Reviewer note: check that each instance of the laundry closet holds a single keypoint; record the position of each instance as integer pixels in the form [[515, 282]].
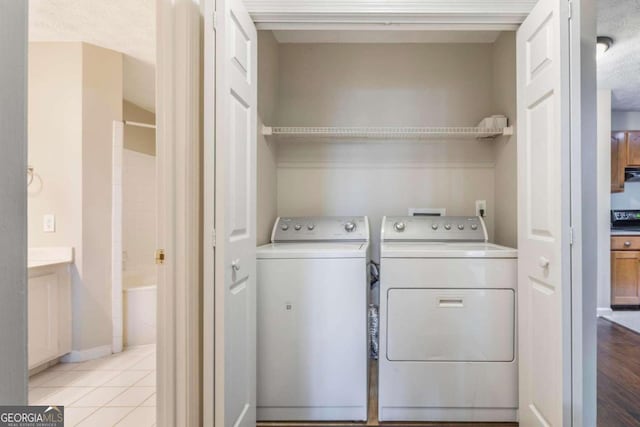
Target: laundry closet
[[453, 82], [348, 127]]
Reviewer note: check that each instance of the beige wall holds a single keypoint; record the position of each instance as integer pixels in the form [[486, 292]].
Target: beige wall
[[266, 151], [138, 219], [505, 148], [136, 138], [385, 85], [55, 143], [102, 104], [75, 94]]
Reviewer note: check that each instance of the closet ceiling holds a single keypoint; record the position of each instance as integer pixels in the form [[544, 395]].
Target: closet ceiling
[[126, 26], [346, 36], [619, 67]]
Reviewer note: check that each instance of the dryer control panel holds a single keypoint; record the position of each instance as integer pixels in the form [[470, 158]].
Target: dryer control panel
[[321, 229], [434, 229]]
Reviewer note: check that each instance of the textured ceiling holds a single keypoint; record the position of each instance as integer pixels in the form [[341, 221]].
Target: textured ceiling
[[126, 26], [619, 67]]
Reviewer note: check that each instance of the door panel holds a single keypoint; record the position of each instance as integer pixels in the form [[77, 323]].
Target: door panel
[[235, 215], [455, 325], [543, 221]]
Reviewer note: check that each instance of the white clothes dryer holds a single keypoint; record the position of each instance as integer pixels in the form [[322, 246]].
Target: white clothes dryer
[[447, 322]]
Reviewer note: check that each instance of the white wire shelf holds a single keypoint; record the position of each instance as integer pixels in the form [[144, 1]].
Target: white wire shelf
[[387, 132]]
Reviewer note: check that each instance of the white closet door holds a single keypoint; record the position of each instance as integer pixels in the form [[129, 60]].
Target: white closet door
[[235, 213], [544, 281]]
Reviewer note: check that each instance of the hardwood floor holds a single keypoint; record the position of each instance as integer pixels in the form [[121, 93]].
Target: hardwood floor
[[618, 376]]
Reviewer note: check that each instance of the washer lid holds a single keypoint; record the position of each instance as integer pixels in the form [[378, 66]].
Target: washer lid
[[445, 250], [313, 250]]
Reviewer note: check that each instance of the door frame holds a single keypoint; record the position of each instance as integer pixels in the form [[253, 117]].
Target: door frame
[[178, 141], [583, 302], [584, 212]]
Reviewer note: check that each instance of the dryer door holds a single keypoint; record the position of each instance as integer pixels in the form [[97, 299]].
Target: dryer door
[[455, 325]]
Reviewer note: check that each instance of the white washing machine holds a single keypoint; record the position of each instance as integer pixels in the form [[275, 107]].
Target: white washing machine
[[447, 322], [313, 291]]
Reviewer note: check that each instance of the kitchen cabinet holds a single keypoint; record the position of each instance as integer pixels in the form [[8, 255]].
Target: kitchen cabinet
[[618, 161], [625, 271], [633, 148]]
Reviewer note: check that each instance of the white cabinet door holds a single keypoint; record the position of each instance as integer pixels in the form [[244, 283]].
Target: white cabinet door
[[544, 281], [43, 318], [235, 215]]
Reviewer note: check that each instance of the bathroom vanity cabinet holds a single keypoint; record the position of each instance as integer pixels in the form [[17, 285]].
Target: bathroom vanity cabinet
[[49, 307]]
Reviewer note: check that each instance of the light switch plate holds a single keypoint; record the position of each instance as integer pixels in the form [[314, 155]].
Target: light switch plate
[[49, 223]]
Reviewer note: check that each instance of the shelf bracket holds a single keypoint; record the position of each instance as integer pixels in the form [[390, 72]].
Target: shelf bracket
[[267, 130], [508, 131]]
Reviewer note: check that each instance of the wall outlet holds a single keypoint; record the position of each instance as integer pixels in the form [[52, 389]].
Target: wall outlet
[[49, 223], [481, 208]]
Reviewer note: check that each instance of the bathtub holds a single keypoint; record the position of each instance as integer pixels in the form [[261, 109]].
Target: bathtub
[[140, 315]]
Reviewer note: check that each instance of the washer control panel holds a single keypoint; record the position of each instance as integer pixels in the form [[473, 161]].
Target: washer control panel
[[434, 229], [321, 229]]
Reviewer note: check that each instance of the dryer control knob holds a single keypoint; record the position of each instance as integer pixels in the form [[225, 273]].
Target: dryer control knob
[[474, 226], [297, 227], [284, 227], [399, 226], [434, 226], [311, 227], [460, 226], [447, 226], [349, 227]]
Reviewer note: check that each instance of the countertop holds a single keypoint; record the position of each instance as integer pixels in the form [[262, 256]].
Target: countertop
[[625, 233], [43, 257]]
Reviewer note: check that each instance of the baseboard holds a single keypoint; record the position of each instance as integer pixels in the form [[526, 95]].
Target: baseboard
[[88, 354], [604, 312]]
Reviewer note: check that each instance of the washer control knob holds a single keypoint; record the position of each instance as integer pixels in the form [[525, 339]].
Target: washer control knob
[[474, 226], [460, 226], [399, 226], [349, 227], [434, 226], [447, 226], [311, 227], [285, 227], [297, 227]]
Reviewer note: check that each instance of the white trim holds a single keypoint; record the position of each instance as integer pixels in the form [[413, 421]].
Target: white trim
[[117, 313], [178, 141], [583, 113], [209, 173], [604, 311], [348, 25], [88, 354], [377, 14], [374, 165]]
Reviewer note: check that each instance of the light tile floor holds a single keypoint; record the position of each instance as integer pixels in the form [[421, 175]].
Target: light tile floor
[[627, 318], [116, 390]]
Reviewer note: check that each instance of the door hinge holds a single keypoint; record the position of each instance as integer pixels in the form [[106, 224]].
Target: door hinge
[[571, 238], [159, 256], [215, 21], [569, 9], [213, 239]]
